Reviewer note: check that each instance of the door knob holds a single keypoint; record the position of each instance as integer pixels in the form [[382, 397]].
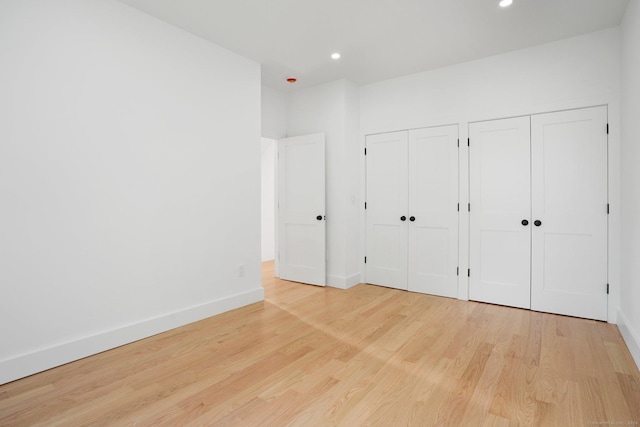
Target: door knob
[[403, 218], [537, 223], [319, 217], [413, 218], [525, 222]]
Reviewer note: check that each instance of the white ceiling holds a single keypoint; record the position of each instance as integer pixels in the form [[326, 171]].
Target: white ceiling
[[378, 39]]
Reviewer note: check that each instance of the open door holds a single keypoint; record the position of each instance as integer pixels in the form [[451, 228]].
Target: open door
[[301, 209]]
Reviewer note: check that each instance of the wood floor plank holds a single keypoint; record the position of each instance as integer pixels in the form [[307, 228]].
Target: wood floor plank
[[365, 356], [630, 386], [481, 399]]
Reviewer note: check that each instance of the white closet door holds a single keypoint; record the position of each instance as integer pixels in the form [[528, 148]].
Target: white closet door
[[569, 185], [433, 211], [301, 201], [386, 245], [500, 228]]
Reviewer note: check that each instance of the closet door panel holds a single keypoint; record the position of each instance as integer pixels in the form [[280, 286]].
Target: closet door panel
[[500, 185], [569, 187], [387, 202], [433, 199]]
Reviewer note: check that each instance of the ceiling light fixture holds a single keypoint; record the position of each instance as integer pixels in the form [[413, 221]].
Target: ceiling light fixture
[[505, 3], [291, 79], [335, 55]]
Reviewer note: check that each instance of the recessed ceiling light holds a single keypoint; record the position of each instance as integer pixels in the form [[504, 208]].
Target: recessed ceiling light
[[335, 55], [505, 3]]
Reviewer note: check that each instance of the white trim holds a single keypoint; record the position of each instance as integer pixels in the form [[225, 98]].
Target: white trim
[[41, 360], [343, 282], [630, 336]]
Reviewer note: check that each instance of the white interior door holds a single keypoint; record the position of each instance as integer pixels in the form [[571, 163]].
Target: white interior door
[[433, 211], [386, 210], [569, 188], [500, 217], [301, 209]]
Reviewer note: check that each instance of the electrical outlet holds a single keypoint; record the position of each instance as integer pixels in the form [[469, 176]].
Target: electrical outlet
[[241, 270]]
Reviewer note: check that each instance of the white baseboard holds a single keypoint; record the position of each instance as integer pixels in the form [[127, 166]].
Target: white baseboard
[[630, 335], [343, 282], [41, 360]]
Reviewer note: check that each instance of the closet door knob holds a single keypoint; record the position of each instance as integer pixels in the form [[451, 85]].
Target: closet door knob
[[525, 222], [319, 217], [537, 223], [413, 218], [403, 218]]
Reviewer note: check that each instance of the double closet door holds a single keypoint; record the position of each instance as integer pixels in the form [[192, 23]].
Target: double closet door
[[412, 210], [538, 219]]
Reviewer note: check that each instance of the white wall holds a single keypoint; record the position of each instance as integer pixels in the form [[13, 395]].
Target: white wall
[[332, 108], [577, 72], [629, 318], [274, 113], [355, 200], [268, 199], [129, 175], [572, 72]]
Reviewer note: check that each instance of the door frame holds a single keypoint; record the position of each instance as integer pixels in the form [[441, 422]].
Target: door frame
[[613, 198], [461, 249]]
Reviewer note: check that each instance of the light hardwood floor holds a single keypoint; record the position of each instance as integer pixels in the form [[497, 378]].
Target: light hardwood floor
[[312, 356]]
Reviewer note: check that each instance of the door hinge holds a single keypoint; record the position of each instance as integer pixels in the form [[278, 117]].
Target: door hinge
[[457, 271], [469, 207], [458, 142], [365, 260], [607, 289], [458, 207], [607, 128], [468, 142], [365, 205], [469, 273], [607, 208], [365, 151]]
